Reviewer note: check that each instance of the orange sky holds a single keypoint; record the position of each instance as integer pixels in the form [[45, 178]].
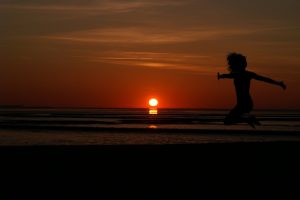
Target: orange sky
[[104, 53]]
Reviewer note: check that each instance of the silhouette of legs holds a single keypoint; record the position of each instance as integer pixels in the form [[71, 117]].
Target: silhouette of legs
[[234, 116], [241, 114], [251, 120]]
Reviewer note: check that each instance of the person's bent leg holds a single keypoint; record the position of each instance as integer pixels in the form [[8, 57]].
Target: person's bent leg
[[233, 117]]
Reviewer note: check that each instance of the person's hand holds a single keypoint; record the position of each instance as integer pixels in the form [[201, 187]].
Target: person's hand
[[281, 83]]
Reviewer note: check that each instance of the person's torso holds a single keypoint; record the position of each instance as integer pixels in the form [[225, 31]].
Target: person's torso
[[242, 86]]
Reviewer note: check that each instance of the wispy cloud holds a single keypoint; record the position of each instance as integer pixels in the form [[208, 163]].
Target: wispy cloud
[[155, 60], [152, 35], [148, 56], [94, 6]]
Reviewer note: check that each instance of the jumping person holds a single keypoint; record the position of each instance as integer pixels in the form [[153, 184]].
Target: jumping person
[[237, 67]]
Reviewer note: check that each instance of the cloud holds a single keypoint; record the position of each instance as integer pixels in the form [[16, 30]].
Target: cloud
[[155, 60], [94, 6], [152, 35], [148, 56]]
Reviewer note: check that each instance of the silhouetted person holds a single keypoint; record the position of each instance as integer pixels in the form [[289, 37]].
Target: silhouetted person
[[237, 67]]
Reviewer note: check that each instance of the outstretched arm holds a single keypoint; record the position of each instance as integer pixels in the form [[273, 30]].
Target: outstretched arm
[[271, 81], [221, 76]]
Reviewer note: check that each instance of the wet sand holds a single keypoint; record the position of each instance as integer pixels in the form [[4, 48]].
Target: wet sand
[[136, 136]]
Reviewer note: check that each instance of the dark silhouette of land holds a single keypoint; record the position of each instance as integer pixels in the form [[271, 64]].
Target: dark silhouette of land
[[242, 79]]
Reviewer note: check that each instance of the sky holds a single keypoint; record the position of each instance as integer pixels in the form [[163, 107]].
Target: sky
[[117, 54]]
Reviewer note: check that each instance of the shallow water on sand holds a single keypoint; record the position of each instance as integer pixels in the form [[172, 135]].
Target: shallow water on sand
[[136, 126]]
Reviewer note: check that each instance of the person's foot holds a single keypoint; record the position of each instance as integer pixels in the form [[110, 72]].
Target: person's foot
[[251, 120], [251, 123], [256, 122]]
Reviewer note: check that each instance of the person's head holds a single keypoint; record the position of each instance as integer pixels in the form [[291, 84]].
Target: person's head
[[237, 62]]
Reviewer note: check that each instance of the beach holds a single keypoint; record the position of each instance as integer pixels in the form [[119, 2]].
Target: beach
[[89, 153], [186, 171]]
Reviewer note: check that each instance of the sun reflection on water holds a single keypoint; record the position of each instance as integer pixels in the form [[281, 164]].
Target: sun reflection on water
[[152, 126], [153, 111]]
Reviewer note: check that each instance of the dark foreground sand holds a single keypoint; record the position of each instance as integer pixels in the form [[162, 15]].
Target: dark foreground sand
[[186, 171], [148, 164]]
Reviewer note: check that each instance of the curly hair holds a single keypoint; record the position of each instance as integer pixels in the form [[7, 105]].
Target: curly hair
[[236, 62]]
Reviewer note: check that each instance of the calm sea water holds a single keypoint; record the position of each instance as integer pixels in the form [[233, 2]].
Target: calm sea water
[[286, 120]]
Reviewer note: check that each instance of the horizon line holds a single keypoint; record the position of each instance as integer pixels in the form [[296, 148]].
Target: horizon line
[[95, 107]]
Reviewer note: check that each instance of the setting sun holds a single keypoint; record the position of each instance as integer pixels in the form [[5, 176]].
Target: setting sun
[[153, 102]]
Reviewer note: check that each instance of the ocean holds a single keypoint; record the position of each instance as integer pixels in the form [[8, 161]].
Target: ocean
[[26, 126]]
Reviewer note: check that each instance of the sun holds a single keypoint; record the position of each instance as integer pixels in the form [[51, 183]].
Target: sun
[[153, 102]]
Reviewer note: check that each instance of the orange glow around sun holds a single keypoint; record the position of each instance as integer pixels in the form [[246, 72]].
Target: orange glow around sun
[[153, 102]]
